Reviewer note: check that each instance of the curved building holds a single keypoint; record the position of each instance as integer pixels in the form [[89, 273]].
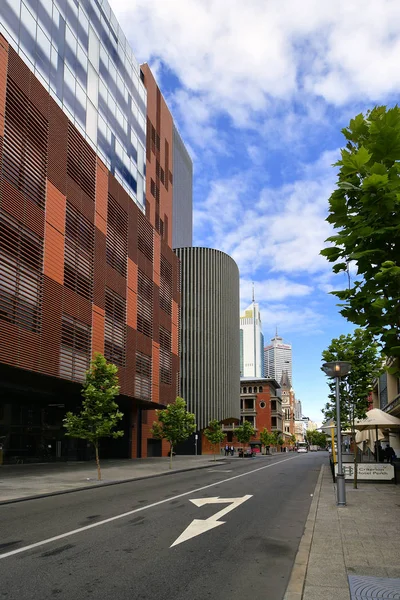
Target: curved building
[[209, 334]]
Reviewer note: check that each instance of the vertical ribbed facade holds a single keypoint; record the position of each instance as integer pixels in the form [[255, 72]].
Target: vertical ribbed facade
[[209, 338], [182, 207]]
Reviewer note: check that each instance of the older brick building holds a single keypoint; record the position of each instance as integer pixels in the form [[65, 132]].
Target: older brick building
[[82, 270]]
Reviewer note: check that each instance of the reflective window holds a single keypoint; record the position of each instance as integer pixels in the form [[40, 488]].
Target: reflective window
[[78, 51]]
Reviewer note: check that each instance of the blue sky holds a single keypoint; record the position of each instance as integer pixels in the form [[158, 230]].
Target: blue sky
[[260, 93]]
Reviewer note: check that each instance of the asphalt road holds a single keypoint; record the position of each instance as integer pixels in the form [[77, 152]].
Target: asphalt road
[[118, 542]]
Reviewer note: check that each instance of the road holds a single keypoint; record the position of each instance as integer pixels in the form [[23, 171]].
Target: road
[[147, 540]]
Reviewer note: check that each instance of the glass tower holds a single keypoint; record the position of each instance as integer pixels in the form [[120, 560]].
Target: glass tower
[[79, 53]]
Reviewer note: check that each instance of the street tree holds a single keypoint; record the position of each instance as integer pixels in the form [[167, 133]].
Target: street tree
[[365, 211], [361, 351], [316, 438], [280, 441], [292, 439], [244, 433], [175, 424], [266, 438], [99, 415], [214, 434]]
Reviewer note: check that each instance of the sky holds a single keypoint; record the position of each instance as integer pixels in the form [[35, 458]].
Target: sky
[[260, 92]]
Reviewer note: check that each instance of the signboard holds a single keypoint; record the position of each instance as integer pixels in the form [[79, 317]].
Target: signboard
[[373, 471]]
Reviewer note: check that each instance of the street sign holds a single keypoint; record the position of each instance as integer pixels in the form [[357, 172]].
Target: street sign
[[199, 526]]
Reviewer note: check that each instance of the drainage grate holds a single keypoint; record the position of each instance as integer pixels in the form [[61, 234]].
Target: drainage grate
[[366, 588]]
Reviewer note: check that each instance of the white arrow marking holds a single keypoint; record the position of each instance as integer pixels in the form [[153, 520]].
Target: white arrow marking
[[199, 526]]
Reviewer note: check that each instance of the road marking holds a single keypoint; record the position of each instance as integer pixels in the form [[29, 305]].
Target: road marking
[[219, 470], [135, 510], [199, 526]]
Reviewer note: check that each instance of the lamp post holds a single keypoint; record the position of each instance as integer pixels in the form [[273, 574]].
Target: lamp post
[[337, 370]]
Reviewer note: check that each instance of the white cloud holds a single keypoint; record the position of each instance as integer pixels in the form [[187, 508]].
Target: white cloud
[[272, 289], [290, 319], [281, 231], [249, 60]]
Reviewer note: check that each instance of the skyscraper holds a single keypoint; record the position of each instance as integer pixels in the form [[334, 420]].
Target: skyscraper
[[209, 349], [278, 358], [251, 342]]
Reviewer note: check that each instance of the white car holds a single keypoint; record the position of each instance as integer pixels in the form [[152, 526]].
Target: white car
[[302, 449]]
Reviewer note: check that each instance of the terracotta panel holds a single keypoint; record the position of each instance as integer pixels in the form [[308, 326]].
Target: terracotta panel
[[9, 343], [53, 263], [51, 327], [131, 309], [174, 330], [156, 373], [55, 208], [97, 330], [132, 275], [3, 81], [34, 217], [28, 350], [157, 259]]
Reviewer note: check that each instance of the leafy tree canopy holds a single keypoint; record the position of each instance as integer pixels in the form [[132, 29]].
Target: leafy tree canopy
[[175, 424], [214, 432], [99, 415], [361, 351], [244, 432], [365, 211]]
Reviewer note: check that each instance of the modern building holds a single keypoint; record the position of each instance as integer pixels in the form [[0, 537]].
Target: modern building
[[251, 342], [386, 396], [278, 358], [85, 266], [182, 205], [298, 411], [209, 339]]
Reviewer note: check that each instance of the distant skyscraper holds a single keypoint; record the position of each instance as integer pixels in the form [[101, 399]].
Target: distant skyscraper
[[298, 414], [251, 342], [278, 358]]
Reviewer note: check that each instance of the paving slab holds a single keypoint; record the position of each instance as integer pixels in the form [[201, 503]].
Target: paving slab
[[359, 540]]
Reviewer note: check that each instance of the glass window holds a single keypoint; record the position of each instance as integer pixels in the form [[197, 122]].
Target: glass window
[[28, 33], [94, 49]]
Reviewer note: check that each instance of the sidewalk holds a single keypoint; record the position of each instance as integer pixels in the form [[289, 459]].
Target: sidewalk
[[339, 544], [26, 481]]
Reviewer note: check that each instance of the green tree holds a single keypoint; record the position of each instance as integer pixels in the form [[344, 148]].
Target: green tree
[[266, 437], [214, 433], [365, 211], [175, 424], [292, 439], [280, 441], [361, 351], [316, 438], [274, 438], [99, 415], [244, 433]]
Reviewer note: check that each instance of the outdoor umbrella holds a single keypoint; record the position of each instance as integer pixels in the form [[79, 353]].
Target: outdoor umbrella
[[367, 435], [377, 419]]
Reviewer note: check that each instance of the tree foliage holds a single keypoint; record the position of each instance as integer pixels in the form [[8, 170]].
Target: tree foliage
[[175, 424], [361, 351], [99, 415], [244, 432], [365, 211], [214, 433], [266, 437], [316, 438]]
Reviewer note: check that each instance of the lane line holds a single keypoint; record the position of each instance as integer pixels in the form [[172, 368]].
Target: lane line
[[136, 510]]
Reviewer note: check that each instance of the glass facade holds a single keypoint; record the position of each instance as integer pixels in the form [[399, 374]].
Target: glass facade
[[81, 56]]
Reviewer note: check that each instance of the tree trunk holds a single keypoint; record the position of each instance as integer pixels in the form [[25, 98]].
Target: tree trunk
[[170, 456], [96, 447]]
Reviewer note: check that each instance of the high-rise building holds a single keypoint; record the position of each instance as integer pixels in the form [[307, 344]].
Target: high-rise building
[[251, 342], [298, 414], [182, 206], [278, 358], [209, 341], [85, 266]]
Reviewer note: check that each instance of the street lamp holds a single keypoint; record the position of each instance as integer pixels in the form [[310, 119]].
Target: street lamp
[[337, 370]]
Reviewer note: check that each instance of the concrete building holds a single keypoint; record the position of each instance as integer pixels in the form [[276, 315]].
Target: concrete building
[[298, 413], [251, 342], [278, 358], [386, 396], [86, 260], [182, 205], [209, 340]]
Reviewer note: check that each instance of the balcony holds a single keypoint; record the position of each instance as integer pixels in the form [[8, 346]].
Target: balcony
[[248, 411]]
